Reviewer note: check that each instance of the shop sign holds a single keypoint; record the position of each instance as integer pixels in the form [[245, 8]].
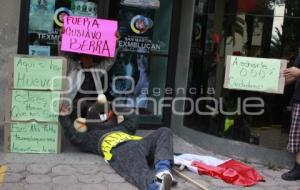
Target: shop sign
[[138, 43]]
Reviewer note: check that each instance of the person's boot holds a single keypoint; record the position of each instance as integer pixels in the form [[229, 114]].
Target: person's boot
[[166, 183], [160, 176], [293, 174]]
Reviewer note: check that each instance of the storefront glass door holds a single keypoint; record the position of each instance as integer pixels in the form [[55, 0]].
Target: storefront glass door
[[251, 28], [145, 28], [138, 77]]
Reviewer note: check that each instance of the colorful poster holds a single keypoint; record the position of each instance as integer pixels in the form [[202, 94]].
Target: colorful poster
[[59, 15], [136, 30], [84, 8], [40, 16], [89, 36], [132, 69]]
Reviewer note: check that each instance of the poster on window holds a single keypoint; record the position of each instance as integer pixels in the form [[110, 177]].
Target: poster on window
[[130, 79], [45, 20], [136, 30], [85, 8], [41, 15], [150, 4], [130, 74]]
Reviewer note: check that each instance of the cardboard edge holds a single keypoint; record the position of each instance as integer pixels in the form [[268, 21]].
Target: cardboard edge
[[59, 128], [227, 71], [281, 83], [6, 144], [10, 67], [64, 74], [39, 57], [8, 103], [59, 138]]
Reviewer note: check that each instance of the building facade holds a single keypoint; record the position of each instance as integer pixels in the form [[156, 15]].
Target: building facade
[[176, 52]]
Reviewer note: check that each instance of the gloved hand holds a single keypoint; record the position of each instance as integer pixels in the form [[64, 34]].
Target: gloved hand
[[131, 123]]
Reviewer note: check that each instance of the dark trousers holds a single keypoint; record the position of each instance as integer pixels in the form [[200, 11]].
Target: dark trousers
[[135, 160]]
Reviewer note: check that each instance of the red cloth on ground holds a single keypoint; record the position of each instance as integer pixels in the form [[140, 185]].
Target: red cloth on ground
[[231, 171]]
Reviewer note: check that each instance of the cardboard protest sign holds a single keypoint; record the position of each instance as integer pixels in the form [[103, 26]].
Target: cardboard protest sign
[[89, 36], [41, 73], [32, 137], [33, 101], [40, 106], [255, 74]]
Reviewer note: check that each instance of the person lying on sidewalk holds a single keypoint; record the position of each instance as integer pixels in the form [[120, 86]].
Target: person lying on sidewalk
[[132, 157]]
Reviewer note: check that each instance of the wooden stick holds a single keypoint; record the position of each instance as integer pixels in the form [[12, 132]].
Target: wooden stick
[[189, 179]]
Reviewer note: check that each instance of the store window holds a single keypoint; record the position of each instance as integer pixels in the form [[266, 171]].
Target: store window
[[138, 77], [252, 28], [45, 18], [145, 28], [202, 66]]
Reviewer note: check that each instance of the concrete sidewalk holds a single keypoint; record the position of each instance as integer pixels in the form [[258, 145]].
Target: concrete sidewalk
[[72, 170]]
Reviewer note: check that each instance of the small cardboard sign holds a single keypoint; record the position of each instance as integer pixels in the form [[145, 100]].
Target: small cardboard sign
[[32, 137], [255, 74], [37, 73], [39, 106], [89, 36]]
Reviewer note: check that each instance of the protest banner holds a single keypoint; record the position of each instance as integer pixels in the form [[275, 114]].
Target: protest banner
[[33, 99], [88, 35], [255, 74]]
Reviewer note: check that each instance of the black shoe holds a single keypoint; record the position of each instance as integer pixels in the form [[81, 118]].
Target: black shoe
[[159, 177], [291, 175], [166, 183]]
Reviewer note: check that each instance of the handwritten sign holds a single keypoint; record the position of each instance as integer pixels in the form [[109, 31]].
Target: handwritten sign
[[37, 73], [89, 36], [40, 106], [255, 74], [34, 138], [32, 104]]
